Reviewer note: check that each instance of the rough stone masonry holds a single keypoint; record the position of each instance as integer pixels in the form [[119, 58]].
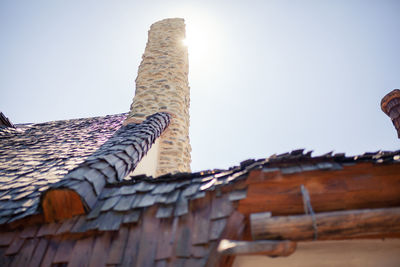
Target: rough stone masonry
[[162, 85]]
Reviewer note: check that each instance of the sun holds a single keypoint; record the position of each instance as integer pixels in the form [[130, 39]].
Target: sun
[[203, 41]]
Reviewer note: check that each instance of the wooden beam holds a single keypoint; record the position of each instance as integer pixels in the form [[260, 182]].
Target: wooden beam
[[61, 204], [359, 186], [265, 247], [329, 225]]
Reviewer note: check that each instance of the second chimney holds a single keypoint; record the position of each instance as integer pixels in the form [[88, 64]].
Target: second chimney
[[162, 85], [390, 104]]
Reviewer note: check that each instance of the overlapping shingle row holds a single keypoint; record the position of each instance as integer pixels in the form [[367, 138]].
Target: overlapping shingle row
[[170, 195], [187, 240]]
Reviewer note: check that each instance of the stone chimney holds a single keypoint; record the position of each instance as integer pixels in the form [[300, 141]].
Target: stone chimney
[[390, 104], [162, 85]]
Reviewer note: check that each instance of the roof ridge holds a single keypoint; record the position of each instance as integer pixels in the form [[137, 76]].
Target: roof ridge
[[112, 162]]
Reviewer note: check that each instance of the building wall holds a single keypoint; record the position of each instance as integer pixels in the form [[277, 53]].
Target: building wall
[[333, 253], [148, 164]]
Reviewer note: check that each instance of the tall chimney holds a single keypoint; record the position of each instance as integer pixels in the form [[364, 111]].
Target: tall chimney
[[162, 85], [390, 104]]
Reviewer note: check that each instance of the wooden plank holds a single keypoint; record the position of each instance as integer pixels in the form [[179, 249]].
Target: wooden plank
[[216, 229], [164, 244], [6, 238], [82, 251], [100, 250], [15, 246], [24, 256], [29, 231], [50, 252], [132, 246], [201, 224], [161, 263], [359, 186], [118, 246], [64, 250], [221, 207], [79, 225], [48, 229], [194, 262], [39, 253], [5, 260], [178, 262], [148, 244], [67, 225], [329, 225], [200, 251], [264, 247], [234, 227], [183, 236], [61, 204]]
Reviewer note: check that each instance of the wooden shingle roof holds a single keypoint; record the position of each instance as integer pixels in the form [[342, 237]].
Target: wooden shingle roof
[[174, 220]]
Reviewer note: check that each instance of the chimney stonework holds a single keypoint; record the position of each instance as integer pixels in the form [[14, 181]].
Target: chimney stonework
[[390, 104], [162, 86]]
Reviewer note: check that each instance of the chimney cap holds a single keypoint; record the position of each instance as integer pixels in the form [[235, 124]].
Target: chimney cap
[[387, 98]]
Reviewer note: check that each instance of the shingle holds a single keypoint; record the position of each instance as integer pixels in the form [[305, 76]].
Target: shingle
[[172, 197], [124, 203], [146, 200], [238, 195], [110, 221], [95, 212], [127, 189], [144, 186], [207, 185], [325, 165], [164, 211], [97, 179], [182, 206], [190, 190], [162, 188], [309, 167], [110, 203], [198, 195], [132, 216], [290, 170]]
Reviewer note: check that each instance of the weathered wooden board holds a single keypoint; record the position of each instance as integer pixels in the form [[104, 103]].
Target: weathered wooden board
[[329, 225], [25, 254], [82, 252], [61, 204], [100, 250], [264, 247], [360, 186], [118, 247]]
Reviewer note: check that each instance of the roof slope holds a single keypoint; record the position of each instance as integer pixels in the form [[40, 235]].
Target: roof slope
[[34, 156]]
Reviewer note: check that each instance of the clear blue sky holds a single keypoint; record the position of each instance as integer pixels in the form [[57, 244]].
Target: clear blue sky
[[268, 77]]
